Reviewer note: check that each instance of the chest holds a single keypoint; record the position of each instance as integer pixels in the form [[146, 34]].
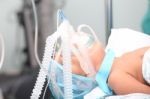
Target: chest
[[130, 64]]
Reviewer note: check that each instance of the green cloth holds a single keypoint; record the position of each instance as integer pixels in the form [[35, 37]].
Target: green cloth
[[146, 21]]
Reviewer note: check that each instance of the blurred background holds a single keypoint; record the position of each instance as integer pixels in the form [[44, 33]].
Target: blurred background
[[20, 69]]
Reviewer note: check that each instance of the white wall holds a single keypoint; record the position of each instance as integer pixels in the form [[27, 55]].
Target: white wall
[[126, 13], [129, 13], [89, 12]]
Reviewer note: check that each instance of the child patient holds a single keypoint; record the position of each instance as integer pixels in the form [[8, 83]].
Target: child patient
[[126, 72]]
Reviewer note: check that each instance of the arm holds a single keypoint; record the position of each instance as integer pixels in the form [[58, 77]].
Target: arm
[[123, 83]]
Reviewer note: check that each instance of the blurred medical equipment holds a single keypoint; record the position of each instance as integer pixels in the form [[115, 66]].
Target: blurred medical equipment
[[44, 66], [109, 17], [46, 25], [2, 58], [12, 85], [36, 33], [2, 50], [1, 94]]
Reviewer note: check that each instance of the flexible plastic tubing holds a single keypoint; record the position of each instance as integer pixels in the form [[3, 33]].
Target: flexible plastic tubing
[[45, 63], [36, 33], [52, 78], [44, 66], [66, 53], [43, 72], [3, 50], [52, 75], [66, 29]]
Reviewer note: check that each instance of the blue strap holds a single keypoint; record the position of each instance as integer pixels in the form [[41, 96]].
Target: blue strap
[[104, 71]]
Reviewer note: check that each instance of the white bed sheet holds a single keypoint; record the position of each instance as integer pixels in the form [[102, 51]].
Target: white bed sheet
[[125, 40], [130, 96]]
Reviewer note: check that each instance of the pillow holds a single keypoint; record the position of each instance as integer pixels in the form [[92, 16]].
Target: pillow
[[124, 40]]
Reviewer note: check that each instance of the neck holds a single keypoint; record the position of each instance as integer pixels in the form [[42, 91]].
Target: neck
[[101, 58]]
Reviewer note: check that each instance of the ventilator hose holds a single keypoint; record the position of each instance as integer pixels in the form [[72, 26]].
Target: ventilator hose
[[67, 73], [45, 63]]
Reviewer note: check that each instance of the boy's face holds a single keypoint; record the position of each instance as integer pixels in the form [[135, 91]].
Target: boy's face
[[95, 53]]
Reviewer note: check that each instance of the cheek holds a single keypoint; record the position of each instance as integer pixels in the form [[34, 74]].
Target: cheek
[[95, 59], [76, 68], [96, 56]]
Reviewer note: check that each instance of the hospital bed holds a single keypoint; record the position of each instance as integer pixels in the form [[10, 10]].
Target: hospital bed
[[121, 41]]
